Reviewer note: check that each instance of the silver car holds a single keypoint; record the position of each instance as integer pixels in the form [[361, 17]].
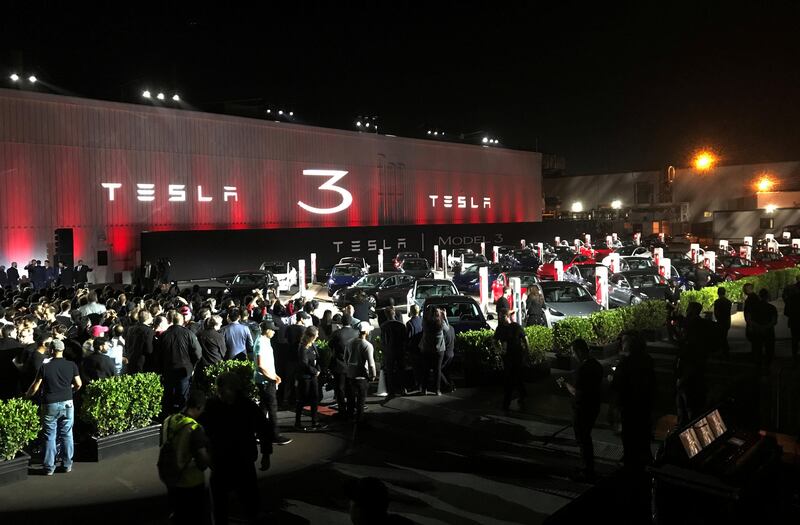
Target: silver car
[[564, 299]]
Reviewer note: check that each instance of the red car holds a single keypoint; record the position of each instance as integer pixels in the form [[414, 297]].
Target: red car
[[734, 268], [499, 284], [773, 260], [547, 271], [793, 254]]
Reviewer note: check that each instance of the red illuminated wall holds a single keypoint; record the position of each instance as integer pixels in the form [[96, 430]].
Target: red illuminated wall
[[55, 152]]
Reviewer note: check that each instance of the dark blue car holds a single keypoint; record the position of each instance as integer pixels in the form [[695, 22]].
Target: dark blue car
[[468, 281], [342, 276]]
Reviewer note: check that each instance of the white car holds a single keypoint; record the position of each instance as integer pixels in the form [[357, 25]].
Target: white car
[[425, 288], [284, 272], [356, 261]]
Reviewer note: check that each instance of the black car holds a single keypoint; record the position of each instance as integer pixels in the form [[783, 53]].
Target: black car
[[379, 288], [520, 260], [240, 285], [463, 313], [398, 259], [583, 274], [633, 287], [417, 267]]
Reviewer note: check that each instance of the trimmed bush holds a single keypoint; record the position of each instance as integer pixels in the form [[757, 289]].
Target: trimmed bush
[[119, 404], [650, 315], [606, 326], [567, 331], [540, 341], [774, 282], [207, 382], [480, 349], [19, 425]]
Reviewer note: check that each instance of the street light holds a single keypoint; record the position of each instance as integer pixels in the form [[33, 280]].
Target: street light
[[160, 96], [616, 204], [176, 98], [577, 207], [771, 208], [704, 160], [765, 184], [146, 94], [32, 79], [14, 77]]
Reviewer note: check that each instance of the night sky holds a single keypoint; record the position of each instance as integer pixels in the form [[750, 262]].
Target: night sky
[[607, 88]]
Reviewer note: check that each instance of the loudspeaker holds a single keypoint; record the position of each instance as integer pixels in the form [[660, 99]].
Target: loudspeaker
[[102, 258], [64, 247]]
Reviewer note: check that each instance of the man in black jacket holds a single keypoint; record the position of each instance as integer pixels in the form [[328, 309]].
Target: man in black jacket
[[212, 341], [340, 340], [587, 393], [394, 339], [722, 313], [13, 275], [232, 423], [97, 365], [80, 272], [179, 351], [139, 343]]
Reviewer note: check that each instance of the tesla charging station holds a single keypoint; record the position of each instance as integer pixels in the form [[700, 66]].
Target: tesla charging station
[[436, 257], [559, 267], [577, 245], [588, 238], [313, 267], [609, 241], [694, 250], [483, 249], [558, 241], [444, 264], [795, 244], [723, 245], [710, 261], [614, 237], [540, 250], [637, 238], [496, 253], [522, 243], [516, 296], [786, 236], [483, 273], [380, 260], [745, 252], [601, 286], [301, 277], [612, 261], [658, 254], [665, 269], [748, 241]]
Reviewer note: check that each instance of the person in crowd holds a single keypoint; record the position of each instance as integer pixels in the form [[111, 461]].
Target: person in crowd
[[309, 308], [764, 319], [690, 384], [3, 276], [586, 392], [267, 380], [634, 388], [64, 316], [66, 276], [512, 337], [139, 343], [80, 273], [97, 365], [449, 353], [432, 349], [307, 379], [58, 380], [339, 342], [235, 427], [360, 370], [362, 307], [722, 314], [117, 350], [179, 352], [92, 307], [13, 275], [238, 337], [394, 338], [750, 302], [212, 341], [502, 302], [672, 296], [325, 325], [414, 323], [9, 373], [188, 501], [534, 306], [792, 312], [51, 274], [369, 503]]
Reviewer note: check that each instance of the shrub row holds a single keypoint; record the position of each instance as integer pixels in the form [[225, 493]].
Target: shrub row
[[122, 403], [774, 281], [19, 425], [601, 328]]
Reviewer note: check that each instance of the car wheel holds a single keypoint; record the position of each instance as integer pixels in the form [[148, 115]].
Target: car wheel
[[635, 300], [372, 300], [728, 279]]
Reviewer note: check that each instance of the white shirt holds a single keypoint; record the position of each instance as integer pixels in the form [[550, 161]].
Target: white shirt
[[268, 359]]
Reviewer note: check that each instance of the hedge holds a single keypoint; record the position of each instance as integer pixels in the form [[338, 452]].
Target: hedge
[[774, 281], [207, 380], [19, 425], [118, 404]]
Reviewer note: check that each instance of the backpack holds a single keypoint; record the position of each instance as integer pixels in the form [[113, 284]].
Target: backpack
[[169, 471]]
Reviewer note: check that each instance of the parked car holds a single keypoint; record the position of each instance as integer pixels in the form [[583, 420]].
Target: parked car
[[793, 254], [398, 259], [423, 289], [547, 271], [343, 276], [242, 284], [521, 260], [380, 289], [583, 274], [635, 286], [633, 250], [734, 268], [504, 278], [564, 299], [468, 281], [419, 268], [358, 261], [454, 258], [601, 249], [283, 271], [773, 260], [463, 313], [635, 262]]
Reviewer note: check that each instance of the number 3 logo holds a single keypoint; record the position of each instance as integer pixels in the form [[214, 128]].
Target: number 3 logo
[[336, 176]]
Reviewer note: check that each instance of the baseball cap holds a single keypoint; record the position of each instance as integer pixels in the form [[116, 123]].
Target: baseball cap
[[57, 345], [303, 315], [269, 325], [185, 310], [98, 330], [365, 327]]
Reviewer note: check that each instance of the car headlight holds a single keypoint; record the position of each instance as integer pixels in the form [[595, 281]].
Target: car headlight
[[553, 311]]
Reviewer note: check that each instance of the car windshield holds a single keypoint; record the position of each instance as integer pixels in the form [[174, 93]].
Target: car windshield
[[735, 262], [473, 268], [369, 281], [246, 279], [587, 272], [458, 252], [639, 264], [415, 264], [644, 281], [346, 271], [565, 257], [407, 255], [566, 293], [352, 260], [526, 280], [274, 267], [434, 290], [473, 258], [460, 312], [626, 250]]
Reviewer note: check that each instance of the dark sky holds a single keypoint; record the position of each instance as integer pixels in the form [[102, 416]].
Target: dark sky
[[609, 88]]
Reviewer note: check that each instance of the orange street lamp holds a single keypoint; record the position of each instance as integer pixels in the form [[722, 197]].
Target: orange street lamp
[[764, 184], [704, 160]]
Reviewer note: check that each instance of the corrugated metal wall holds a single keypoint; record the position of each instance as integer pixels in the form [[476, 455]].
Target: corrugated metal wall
[[55, 152]]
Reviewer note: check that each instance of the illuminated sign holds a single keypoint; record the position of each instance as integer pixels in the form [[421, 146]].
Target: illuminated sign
[[336, 176], [459, 202], [146, 192]]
